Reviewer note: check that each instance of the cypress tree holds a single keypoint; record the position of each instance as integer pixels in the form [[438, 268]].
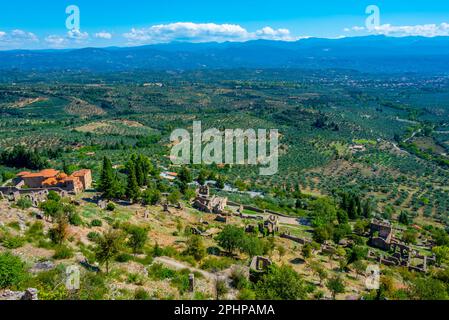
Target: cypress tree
[[132, 188]]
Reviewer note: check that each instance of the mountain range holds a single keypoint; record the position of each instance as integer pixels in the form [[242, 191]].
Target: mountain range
[[373, 54]]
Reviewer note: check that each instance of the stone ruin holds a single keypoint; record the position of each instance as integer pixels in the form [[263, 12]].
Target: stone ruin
[[381, 234], [221, 219], [287, 235], [209, 204], [260, 264], [271, 224], [28, 295]]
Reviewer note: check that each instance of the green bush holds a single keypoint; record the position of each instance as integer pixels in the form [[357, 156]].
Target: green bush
[[124, 257], [158, 272], [35, 231], [75, 220], [96, 223], [13, 242], [141, 294], [63, 252], [93, 236], [246, 294], [216, 264], [12, 270], [24, 203], [110, 207]]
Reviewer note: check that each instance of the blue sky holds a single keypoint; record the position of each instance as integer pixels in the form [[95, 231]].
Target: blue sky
[[26, 24]]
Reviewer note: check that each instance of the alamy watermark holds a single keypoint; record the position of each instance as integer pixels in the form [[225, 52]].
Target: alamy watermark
[[372, 281], [72, 278], [231, 146], [73, 21], [373, 20]]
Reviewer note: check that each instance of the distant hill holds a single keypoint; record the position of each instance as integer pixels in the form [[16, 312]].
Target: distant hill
[[365, 54]]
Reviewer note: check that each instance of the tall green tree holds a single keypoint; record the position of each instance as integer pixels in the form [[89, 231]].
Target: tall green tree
[[108, 247], [231, 238], [335, 286], [281, 283], [108, 180], [132, 187], [138, 237]]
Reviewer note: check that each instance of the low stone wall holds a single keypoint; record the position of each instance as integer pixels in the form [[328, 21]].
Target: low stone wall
[[295, 239]]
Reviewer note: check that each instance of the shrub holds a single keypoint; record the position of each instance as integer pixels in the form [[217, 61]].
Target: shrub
[[93, 236], [135, 278], [24, 203], [158, 272], [124, 257], [110, 207], [246, 294], [181, 280], [141, 294], [239, 279], [13, 242], [96, 223], [12, 270], [75, 220], [216, 264], [52, 195], [63, 252]]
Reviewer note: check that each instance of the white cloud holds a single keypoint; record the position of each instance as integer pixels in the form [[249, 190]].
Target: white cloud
[[73, 37], [424, 30], [18, 36], [203, 32], [77, 35], [103, 35], [56, 41], [272, 34]]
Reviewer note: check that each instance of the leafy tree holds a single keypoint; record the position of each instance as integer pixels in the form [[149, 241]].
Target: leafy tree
[[323, 233], [357, 253], [109, 184], [202, 177], [281, 283], [21, 157], [341, 231], [404, 218], [324, 212], [441, 254], [189, 194], [319, 270], [252, 246], [428, 289], [335, 286], [132, 187], [151, 197], [138, 237], [306, 251], [12, 270], [221, 182], [108, 247], [185, 175], [231, 238], [60, 231], [174, 197], [195, 247], [359, 267]]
